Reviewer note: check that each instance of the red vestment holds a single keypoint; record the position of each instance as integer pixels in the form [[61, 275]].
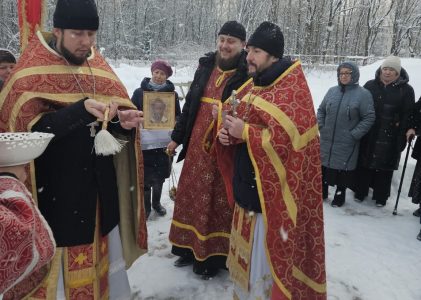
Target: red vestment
[[282, 139], [43, 81], [27, 243], [202, 214]]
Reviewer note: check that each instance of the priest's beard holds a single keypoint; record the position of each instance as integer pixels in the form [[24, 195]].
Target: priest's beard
[[227, 64], [72, 59]]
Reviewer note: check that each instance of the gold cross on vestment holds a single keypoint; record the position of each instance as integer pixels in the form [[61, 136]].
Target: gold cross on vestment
[[80, 259]]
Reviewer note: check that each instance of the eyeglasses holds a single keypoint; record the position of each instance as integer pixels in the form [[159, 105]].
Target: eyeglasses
[[345, 74]]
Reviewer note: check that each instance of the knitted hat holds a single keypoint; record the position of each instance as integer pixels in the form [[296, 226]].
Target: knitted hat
[[76, 14], [393, 62], [163, 66], [6, 56], [268, 37], [233, 28]]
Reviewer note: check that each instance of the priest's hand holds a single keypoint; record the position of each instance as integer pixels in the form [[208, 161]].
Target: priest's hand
[[95, 108], [171, 148], [130, 118], [224, 137], [113, 110], [235, 126]]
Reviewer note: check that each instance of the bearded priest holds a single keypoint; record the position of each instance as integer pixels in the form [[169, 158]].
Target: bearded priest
[[62, 85]]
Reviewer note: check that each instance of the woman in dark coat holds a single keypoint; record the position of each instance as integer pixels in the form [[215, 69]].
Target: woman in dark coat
[[344, 116], [157, 164], [415, 189], [381, 148]]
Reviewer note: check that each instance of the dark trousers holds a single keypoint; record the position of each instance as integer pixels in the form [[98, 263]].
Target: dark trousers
[[338, 178], [415, 188], [325, 189], [153, 192], [379, 180]]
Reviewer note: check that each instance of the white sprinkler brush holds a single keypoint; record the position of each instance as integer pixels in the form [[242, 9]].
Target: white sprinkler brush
[[105, 143]]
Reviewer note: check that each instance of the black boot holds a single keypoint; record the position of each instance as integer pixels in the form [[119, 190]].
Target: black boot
[[359, 197], [360, 194], [325, 190], [209, 273], [160, 210], [381, 202], [183, 261], [339, 198], [417, 212], [206, 270], [156, 199], [419, 236]]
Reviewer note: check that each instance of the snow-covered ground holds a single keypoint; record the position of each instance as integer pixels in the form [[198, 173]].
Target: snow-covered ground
[[370, 254]]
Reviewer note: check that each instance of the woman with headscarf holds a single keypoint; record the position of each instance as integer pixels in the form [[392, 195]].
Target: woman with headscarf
[[156, 162], [345, 115]]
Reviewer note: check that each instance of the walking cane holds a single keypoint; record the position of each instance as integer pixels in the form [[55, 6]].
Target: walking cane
[[403, 174]]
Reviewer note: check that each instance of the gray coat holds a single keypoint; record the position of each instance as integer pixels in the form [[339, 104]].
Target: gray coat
[[345, 115]]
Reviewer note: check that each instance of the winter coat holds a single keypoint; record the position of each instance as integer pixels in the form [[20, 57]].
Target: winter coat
[[184, 126], [345, 115], [137, 97], [415, 123], [157, 165], [382, 146]]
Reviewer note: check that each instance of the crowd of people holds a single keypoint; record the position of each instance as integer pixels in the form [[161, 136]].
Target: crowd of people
[[258, 162], [363, 131]]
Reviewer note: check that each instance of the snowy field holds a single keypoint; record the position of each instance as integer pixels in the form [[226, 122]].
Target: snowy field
[[370, 254]]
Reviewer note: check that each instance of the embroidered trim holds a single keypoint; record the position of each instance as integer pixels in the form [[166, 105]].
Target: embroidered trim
[[239, 257], [198, 234], [298, 140], [318, 287], [282, 175], [195, 256]]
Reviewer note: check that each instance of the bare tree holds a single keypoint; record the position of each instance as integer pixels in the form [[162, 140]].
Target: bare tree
[[145, 29], [334, 8], [375, 13], [406, 19]]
